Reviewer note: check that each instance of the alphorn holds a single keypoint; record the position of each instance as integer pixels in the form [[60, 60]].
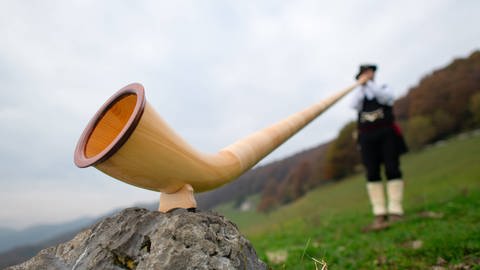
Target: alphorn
[[128, 140]]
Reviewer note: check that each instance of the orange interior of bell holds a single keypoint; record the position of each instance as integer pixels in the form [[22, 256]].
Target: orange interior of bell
[[110, 125]]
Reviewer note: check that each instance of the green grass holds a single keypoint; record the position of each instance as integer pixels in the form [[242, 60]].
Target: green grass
[[326, 223]]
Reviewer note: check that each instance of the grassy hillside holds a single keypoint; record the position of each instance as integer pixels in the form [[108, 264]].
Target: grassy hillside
[[442, 226]]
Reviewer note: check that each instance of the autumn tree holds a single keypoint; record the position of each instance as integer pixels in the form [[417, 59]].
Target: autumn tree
[[269, 198], [342, 155], [441, 104], [443, 123], [420, 131], [475, 108]]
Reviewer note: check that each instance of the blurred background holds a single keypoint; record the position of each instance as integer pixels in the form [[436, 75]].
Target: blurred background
[[215, 70]]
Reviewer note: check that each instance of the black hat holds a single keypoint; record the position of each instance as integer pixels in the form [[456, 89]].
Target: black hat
[[364, 68]]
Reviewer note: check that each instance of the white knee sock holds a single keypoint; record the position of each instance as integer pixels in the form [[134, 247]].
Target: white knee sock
[[376, 193], [395, 196]]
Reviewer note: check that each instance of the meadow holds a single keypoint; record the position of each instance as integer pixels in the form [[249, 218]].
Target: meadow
[[323, 229]]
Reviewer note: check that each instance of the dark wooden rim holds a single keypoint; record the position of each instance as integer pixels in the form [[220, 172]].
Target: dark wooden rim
[[79, 157]]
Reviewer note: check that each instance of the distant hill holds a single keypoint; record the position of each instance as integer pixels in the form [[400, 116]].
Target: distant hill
[[22, 253], [18, 246], [21, 245], [4, 234], [10, 238]]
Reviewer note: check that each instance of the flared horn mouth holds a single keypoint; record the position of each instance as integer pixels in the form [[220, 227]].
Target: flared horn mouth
[[111, 126]]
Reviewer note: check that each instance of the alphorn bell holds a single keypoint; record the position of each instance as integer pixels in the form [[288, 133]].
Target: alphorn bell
[[129, 141]]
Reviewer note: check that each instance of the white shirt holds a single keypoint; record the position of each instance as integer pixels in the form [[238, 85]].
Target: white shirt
[[370, 90]]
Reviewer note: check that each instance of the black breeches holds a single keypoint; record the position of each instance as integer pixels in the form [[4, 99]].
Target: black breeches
[[377, 147]]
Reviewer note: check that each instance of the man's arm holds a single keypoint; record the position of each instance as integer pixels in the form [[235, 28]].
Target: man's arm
[[357, 99]]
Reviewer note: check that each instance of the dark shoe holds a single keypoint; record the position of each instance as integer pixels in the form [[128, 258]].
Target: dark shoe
[[393, 218], [379, 223]]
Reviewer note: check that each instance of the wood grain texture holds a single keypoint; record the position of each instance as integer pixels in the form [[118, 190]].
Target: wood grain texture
[[155, 157]]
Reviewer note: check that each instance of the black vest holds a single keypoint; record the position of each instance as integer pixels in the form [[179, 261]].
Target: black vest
[[374, 115]]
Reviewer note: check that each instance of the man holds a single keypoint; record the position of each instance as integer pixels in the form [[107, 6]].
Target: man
[[380, 142]]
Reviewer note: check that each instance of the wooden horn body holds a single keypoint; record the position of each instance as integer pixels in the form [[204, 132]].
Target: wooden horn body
[[128, 140]]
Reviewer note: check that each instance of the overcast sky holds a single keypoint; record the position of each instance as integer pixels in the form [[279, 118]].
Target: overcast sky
[[215, 70]]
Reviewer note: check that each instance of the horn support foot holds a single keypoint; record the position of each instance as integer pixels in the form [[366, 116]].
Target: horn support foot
[[183, 198]]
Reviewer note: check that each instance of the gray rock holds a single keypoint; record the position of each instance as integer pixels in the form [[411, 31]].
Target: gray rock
[[140, 239]]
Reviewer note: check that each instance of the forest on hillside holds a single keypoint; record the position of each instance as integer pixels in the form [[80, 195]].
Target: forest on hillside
[[445, 102]]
